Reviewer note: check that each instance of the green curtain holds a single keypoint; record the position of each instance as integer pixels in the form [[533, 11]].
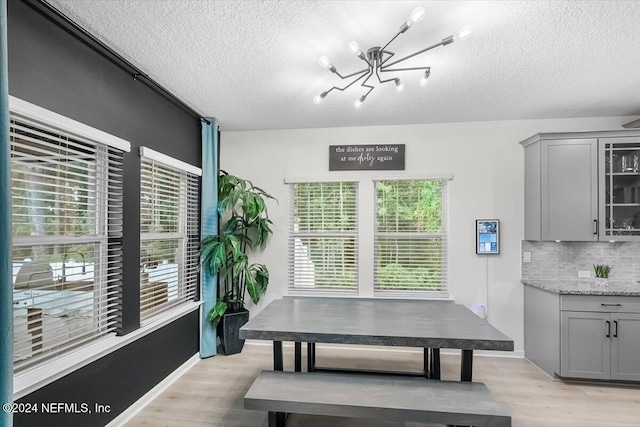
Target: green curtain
[[209, 226], [6, 288]]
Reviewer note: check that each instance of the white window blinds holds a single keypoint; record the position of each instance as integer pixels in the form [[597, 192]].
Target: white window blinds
[[323, 236], [411, 236], [169, 208], [66, 194]]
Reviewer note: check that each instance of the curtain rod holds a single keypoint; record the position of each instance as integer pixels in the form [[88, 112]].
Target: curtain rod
[[64, 22]]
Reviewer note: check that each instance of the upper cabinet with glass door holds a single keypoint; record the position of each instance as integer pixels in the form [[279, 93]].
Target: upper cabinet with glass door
[[619, 188], [582, 186]]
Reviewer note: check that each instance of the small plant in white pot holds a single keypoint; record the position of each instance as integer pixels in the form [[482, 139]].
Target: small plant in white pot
[[602, 274]]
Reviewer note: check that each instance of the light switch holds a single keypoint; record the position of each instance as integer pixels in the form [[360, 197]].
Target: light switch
[[526, 256]]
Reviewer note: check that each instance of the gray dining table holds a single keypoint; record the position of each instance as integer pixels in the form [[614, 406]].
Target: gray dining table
[[428, 324]]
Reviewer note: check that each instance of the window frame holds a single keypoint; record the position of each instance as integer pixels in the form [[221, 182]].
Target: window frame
[[186, 242], [443, 293], [100, 233], [355, 235]]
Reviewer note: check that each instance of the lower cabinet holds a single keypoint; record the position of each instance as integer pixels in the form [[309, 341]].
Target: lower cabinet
[[585, 345], [625, 347], [600, 345]]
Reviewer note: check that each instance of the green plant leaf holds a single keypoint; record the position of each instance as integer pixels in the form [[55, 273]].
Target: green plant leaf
[[244, 224], [215, 314], [207, 245], [231, 227], [257, 281], [234, 247], [602, 270], [264, 193], [218, 257]]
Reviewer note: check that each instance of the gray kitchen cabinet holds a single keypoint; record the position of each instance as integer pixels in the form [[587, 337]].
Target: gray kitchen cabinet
[[579, 333], [600, 337], [569, 196], [585, 345], [571, 181], [625, 347], [619, 188], [561, 189]]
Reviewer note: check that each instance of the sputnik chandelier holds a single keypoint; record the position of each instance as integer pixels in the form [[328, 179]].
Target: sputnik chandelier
[[377, 58]]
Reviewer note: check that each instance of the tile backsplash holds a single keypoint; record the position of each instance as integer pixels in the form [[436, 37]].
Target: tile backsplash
[[562, 260]]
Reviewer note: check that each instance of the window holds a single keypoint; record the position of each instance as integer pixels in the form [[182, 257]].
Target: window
[[66, 190], [411, 236], [169, 230], [323, 239]]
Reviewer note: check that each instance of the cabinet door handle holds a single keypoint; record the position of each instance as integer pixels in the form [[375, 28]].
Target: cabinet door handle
[[611, 305], [608, 329], [595, 226], [615, 334]]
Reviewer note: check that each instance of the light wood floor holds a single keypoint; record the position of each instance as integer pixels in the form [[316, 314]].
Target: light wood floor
[[211, 393]]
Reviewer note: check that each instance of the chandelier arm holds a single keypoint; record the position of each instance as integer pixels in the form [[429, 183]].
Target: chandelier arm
[[365, 59], [350, 75], [391, 54], [383, 81], [405, 69], [366, 85], [394, 37], [343, 88], [442, 43]]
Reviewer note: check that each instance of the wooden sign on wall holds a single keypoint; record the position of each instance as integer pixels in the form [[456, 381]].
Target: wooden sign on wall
[[366, 157]]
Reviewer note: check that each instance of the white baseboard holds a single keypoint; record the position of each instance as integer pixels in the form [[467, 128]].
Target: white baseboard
[[517, 354], [139, 404]]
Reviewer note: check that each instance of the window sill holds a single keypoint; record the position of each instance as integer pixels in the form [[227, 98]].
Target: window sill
[[412, 295], [406, 294], [37, 377], [351, 293]]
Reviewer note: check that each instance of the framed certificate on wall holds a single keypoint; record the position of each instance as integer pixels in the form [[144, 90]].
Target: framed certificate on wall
[[487, 236]]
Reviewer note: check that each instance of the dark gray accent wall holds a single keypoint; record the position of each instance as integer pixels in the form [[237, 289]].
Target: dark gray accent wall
[[116, 380], [52, 69]]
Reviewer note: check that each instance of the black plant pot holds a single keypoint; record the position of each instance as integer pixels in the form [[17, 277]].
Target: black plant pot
[[229, 331]]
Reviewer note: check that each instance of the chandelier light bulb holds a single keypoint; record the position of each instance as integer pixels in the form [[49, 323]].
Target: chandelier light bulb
[[354, 47], [416, 16], [359, 102], [318, 98], [324, 62], [399, 86], [464, 33], [424, 80]]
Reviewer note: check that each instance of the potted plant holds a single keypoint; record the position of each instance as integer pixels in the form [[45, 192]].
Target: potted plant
[[602, 274], [244, 225]]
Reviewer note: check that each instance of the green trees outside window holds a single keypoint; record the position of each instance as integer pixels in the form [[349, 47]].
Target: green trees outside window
[[410, 235]]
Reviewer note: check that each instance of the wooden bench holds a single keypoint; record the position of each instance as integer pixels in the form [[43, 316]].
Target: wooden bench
[[387, 398]]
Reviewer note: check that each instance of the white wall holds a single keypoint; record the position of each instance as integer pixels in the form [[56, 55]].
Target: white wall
[[487, 166]]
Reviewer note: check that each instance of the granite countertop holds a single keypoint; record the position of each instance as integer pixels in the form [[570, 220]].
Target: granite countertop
[[585, 287]]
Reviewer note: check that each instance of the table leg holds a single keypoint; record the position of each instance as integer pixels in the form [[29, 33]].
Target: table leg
[[426, 363], [298, 357], [277, 419], [313, 356], [311, 359], [467, 365], [278, 365], [435, 364]]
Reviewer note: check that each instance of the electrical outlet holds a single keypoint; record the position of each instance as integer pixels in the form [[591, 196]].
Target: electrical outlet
[[526, 256], [584, 274]]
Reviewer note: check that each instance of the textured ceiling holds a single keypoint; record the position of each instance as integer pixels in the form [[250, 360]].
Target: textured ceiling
[[254, 64]]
